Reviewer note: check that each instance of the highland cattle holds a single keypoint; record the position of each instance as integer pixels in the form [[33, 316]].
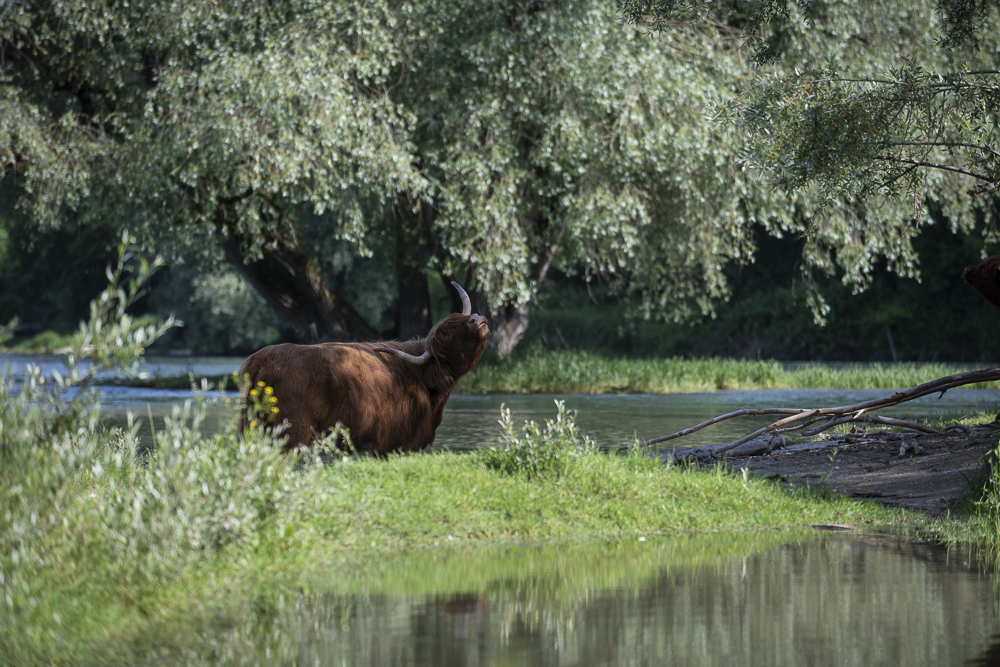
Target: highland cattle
[[390, 394]]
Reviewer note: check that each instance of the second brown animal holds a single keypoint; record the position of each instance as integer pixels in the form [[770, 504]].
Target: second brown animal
[[985, 279]]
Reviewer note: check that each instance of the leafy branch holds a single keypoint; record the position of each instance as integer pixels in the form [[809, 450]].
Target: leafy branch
[[111, 339]]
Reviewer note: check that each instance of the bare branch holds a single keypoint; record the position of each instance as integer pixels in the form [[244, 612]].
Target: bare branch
[[858, 412], [984, 188], [933, 165], [943, 143]]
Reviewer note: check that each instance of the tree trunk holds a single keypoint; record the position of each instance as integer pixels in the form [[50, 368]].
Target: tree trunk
[[413, 310], [509, 323], [290, 283]]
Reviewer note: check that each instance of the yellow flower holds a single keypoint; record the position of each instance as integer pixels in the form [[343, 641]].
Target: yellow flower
[[274, 399], [274, 409], [236, 374], [229, 400], [246, 375], [253, 392], [253, 424], [268, 390], [260, 383]]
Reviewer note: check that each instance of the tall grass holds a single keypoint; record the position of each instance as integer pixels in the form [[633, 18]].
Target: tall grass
[[547, 450], [575, 372]]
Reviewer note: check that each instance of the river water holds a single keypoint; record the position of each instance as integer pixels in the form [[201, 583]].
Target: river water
[[470, 421], [768, 599]]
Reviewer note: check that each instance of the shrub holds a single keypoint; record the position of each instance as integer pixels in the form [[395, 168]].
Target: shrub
[[538, 451]]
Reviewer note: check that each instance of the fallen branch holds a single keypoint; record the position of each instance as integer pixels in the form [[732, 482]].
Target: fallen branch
[[830, 417]]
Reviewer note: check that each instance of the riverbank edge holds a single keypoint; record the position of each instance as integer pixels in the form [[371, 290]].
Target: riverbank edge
[[363, 510], [585, 373]]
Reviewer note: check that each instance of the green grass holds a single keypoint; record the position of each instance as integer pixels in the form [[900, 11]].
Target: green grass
[[146, 546], [588, 373], [43, 343], [574, 372], [970, 418]]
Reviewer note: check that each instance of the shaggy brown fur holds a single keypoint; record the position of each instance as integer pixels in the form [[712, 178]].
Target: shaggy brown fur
[[388, 403], [985, 279]]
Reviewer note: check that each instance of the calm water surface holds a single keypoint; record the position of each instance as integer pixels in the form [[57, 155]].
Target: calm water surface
[[470, 421], [679, 600]]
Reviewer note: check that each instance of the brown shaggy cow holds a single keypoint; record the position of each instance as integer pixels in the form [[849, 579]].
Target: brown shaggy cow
[[391, 395], [985, 278]]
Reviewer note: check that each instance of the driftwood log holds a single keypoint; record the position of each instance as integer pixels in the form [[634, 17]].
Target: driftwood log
[[813, 421]]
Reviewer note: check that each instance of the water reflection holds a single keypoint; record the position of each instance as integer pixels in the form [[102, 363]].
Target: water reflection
[[671, 600]]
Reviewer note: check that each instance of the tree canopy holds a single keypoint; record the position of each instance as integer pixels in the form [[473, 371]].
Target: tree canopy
[[485, 143], [912, 114], [209, 123]]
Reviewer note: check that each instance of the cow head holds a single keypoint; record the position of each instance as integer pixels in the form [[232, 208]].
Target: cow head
[[457, 341], [985, 279]]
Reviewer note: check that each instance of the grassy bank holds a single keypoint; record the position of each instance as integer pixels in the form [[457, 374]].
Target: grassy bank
[[104, 581], [588, 373], [105, 548], [111, 553], [577, 372]]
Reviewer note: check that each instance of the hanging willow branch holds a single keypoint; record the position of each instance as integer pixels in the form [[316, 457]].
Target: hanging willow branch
[[817, 420]]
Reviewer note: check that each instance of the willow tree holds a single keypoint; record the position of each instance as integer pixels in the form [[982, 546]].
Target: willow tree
[[552, 135], [875, 111], [489, 142], [208, 122]]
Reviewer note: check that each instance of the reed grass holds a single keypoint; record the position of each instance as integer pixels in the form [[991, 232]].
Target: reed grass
[[574, 372]]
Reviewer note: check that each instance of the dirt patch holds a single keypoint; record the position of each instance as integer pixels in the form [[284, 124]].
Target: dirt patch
[[935, 477]]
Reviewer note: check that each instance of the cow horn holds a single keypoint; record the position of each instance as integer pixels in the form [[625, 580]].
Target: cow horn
[[413, 359], [466, 304]]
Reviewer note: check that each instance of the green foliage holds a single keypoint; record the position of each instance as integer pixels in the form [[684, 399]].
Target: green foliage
[[496, 140], [49, 276], [538, 451], [972, 417], [222, 312], [199, 112], [7, 331], [987, 507], [766, 316], [547, 134], [588, 373], [47, 442], [765, 22], [890, 110], [206, 126], [47, 342]]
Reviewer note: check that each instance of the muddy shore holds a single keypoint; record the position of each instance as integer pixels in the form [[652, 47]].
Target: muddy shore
[[931, 472]]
